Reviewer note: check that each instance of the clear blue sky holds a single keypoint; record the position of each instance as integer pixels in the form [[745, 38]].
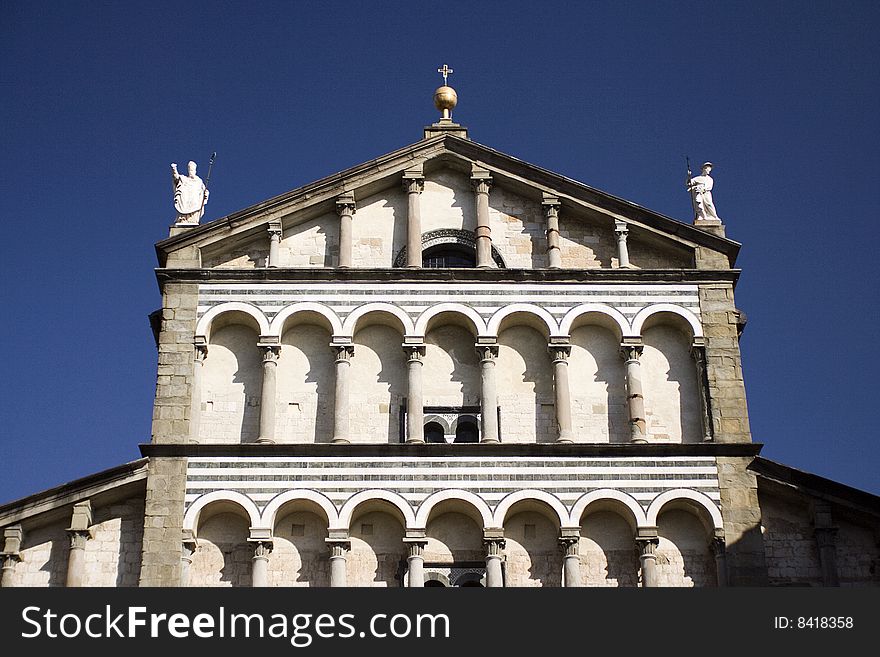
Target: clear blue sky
[[99, 97]]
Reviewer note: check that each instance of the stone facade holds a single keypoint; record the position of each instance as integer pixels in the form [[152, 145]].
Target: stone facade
[[567, 410]]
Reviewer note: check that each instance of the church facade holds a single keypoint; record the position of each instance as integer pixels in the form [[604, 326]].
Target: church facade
[[447, 367]]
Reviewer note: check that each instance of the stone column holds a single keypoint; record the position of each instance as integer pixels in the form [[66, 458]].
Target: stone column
[[494, 542], [416, 562], [621, 230], [274, 259], [268, 392], [188, 549], [413, 184], [345, 208], [11, 554], [551, 214], [79, 533], [634, 396], [569, 541], [699, 354], [488, 393], [482, 181], [719, 549], [647, 540], [826, 539], [338, 549], [260, 567], [195, 412], [561, 389], [415, 430], [341, 421]]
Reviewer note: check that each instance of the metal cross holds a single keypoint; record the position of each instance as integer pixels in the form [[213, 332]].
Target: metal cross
[[444, 72]]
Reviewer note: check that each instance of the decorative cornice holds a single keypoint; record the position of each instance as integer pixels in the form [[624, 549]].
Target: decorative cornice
[[491, 275], [385, 450]]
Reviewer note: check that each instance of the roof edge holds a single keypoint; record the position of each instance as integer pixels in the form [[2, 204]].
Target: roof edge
[[814, 484]]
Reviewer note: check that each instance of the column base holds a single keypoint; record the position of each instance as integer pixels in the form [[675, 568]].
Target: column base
[[564, 441], [415, 442], [489, 442], [265, 441], [340, 441], [639, 441]]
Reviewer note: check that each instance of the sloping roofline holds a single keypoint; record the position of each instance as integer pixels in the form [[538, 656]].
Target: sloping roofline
[[492, 159], [814, 484]]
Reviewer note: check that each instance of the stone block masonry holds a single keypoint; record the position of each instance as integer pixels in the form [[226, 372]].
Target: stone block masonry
[[163, 522]]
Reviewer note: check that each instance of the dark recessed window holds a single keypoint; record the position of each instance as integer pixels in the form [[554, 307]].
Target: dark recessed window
[[449, 256], [466, 431], [434, 433]]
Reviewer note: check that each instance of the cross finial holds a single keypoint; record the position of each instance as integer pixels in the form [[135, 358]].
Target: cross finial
[[445, 71]]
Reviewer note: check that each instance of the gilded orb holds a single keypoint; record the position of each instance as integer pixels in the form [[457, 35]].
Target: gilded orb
[[445, 98]]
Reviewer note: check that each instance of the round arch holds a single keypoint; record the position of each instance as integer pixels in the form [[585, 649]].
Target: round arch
[[539, 313], [191, 517], [701, 499], [404, 323], [203, 327], [645, 313], [473, 317], [269, 515], [618, 498], [474, 500], [277, 326], [547, 499], [346, 513], [609, 317]]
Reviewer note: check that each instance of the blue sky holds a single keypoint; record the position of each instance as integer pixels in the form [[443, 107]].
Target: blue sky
[[99, 97]]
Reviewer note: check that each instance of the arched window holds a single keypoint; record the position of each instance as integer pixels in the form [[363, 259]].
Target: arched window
[[434, 433], [449, 256], [466, 431]]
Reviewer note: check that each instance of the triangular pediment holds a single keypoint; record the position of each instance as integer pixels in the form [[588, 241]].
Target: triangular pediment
[[308, 218]]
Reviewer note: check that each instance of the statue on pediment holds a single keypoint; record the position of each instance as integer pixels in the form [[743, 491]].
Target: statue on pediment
[[190, 195], [700, 188]]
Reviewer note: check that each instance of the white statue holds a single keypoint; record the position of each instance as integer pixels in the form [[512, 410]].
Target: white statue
[[700, 188], [190, 195]]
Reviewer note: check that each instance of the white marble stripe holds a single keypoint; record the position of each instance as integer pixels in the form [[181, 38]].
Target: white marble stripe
[[452, 285], [441, 298], [445, 460], [428, 471], [464, 483]]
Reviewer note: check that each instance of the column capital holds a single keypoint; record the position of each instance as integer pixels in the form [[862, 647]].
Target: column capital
[[78, 538], [719, 545], [621, 228], [550, 204], [559, 352], [569, 545], [271, 352], [414, 352], [274, 229], [344, 352], [200, 353], [481, 179], [262, 549], [486, 352], [338, 546], [494, 546], [413, 182], [345, 205], [416, 547], [631, 352]]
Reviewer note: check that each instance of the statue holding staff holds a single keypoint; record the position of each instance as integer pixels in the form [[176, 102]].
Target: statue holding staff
[[190, 195], [700, 188]]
